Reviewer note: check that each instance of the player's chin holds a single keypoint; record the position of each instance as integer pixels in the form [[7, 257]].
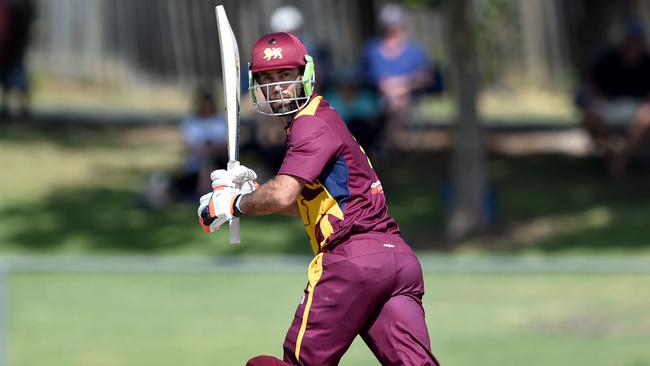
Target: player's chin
[[280, 107]]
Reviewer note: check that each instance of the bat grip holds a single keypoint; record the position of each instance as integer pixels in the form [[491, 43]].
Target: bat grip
[[234, 232], [234, 227]]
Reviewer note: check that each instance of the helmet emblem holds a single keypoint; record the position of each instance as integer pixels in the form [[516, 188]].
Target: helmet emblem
[[272, 53]]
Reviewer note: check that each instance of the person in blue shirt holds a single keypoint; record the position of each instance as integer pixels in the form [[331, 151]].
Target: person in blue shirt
[[399, 68]]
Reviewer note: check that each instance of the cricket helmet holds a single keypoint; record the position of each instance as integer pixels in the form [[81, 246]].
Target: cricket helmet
[[275, 51]]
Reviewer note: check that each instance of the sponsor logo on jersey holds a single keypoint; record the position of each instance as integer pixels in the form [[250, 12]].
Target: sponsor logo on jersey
[[376, 188], [272, 53]]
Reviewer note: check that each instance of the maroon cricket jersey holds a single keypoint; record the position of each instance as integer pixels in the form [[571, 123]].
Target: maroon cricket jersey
[[343, 195]]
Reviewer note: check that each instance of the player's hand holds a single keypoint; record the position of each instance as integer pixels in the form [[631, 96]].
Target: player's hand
[[216, 208], [239, 176], [205, 223]]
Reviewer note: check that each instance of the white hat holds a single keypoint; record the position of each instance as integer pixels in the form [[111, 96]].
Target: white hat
[[286, 19], [392, 15]]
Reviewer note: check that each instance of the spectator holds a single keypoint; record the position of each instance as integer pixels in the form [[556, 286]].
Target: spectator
[[616, 100], [358, 107], [18, 19], [205, 136], [289, 19], [398, 68]]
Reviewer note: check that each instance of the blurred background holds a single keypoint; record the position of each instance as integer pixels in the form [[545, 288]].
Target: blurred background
[[511, 137]]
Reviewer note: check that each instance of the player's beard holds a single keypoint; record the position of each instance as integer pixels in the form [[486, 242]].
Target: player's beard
[[279, 107]]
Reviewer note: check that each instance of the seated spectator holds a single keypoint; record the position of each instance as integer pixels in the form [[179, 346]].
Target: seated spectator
[[359, 107], [399, 68], [205, 136], [615, 99]]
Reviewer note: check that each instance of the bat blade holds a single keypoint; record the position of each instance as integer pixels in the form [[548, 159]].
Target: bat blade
[[231, 88]]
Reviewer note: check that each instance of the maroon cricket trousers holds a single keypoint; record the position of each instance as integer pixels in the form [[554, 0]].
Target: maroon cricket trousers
[[372, 286]]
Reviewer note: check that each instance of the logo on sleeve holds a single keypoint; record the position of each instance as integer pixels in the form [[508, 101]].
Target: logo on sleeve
[[376, 188]]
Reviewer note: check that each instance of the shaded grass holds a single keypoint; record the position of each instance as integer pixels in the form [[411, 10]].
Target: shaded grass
[[225, 318], [109, 221], [74, 190]]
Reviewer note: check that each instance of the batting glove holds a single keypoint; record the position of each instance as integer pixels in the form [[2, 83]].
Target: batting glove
[[238, 176], [217, 208]]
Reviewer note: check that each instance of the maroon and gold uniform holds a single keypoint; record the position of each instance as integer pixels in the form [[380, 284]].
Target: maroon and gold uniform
[[364, 280]]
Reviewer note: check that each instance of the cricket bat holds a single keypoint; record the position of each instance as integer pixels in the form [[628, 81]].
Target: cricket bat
[[231, 89]]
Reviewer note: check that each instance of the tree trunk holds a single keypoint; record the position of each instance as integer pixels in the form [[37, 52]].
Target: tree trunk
[[468, 156]]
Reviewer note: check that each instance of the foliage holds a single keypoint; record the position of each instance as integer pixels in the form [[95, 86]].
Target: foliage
[[496, 37]]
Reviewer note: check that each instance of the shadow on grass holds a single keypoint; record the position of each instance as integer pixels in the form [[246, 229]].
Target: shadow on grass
[[73, 136], [93, 220], [549, 202], [570, 204], [616, 226]]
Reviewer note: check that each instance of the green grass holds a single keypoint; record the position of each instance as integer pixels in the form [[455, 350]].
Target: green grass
[[225, 318], [74, 190]]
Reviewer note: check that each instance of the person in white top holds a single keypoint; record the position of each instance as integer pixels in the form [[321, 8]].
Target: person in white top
[[204, 134]]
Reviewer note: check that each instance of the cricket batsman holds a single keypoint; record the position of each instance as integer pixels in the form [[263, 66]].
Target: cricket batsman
[[364, 279]]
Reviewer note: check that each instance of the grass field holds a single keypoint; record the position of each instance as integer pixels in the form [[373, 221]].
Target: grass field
[[74, 190], [224, 318]]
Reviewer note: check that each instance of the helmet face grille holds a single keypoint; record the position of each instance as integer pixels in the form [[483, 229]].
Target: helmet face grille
[[281, 51], [259, 93]]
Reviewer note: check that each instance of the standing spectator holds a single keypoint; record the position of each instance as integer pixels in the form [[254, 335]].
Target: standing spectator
[[617, 100], [19, 16], [397, 67], [290, 19]]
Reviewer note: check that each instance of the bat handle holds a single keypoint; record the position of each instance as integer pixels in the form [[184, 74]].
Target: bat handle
[[234, 232], [234, 223]]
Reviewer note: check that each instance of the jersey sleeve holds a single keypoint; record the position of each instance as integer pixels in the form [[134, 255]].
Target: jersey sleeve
[[311, 145]]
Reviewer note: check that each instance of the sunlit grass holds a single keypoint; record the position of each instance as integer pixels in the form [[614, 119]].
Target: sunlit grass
[[519, 107], [225, 318], [59, 94]]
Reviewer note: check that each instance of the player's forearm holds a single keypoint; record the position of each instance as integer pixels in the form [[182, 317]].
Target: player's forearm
[[272, 197], [292, 210]]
